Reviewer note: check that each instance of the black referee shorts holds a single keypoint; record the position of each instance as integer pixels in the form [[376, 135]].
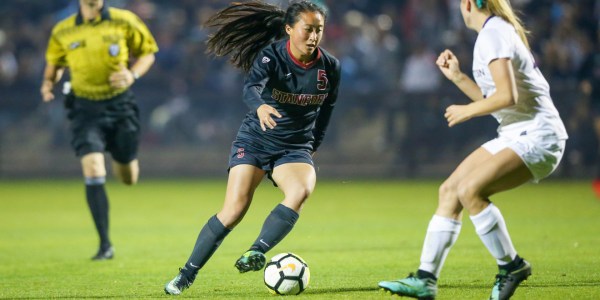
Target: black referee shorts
[[108, 125]]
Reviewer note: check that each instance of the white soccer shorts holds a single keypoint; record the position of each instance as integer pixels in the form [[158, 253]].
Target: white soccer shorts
[[541, 150]]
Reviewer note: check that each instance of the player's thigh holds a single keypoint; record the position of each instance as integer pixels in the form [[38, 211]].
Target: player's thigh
[[87, 135], [297, 181], [241, 184], [503, 171], [122, 129], [468, 165], [93, 165], [123, 140], [122, 143], [449, 205]]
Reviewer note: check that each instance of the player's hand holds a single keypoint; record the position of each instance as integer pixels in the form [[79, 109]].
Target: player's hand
[[449, 65], [46, 91], [122, 78], [265, 113], [456, 114]]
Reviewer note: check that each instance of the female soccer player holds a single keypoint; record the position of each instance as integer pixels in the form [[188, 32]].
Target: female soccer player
[[290, 88], [530, 144]]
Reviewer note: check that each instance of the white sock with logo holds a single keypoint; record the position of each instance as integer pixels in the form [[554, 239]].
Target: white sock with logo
[[491, 228], [441, 235]]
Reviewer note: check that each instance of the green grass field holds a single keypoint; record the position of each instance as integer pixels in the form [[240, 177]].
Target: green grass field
[[352, 234]]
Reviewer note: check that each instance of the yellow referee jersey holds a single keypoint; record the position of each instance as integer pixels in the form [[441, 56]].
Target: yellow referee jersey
[[94, 49]]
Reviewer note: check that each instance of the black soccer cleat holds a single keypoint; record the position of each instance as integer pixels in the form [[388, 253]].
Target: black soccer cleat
[[507, 282], [178, 284], [104, 254], [252, 260]]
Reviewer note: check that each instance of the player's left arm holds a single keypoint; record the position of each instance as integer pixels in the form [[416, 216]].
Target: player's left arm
[[506, 95], [327, 109], [142, 46], [254, 84], [124, 77]]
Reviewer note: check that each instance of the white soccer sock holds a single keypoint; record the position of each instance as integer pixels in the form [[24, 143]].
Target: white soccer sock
[[441, 235], [491, 228]]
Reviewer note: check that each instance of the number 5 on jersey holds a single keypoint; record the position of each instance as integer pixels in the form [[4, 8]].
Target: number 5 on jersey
[[322, 80]]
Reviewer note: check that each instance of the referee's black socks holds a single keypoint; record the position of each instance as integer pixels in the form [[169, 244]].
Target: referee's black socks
[[98, 203]]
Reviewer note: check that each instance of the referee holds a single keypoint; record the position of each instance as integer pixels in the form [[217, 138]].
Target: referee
[[96, 45]]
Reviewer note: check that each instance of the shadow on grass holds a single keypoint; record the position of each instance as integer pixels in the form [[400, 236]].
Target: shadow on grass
[[137, 296], [315, 292], [483, 286], [341, 290]]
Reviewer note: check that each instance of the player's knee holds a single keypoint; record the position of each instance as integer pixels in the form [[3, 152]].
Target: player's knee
[[447, 189], [230, 218], [96, 171], [301, 194], [93, 169], [305, 192], [231, 215], [467, 192]]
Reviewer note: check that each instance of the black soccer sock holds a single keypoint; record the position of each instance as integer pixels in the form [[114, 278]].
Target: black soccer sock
[[98, 203], [511, 266], [277, 225], [209, 239], [424, 274]]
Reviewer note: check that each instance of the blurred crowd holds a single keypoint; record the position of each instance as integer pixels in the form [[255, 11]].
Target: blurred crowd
[[392, 95]]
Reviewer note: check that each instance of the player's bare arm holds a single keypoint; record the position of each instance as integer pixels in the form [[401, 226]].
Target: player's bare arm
[[124, 78], [449, 65], [506, 95], [52, 74]]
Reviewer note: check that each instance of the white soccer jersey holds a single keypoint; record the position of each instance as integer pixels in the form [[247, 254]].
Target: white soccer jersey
[[534, 108]]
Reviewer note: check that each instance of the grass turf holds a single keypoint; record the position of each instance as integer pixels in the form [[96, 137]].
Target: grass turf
[[352, 234]]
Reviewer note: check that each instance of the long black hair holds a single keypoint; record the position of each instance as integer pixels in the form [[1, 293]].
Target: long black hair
[[245, 28]]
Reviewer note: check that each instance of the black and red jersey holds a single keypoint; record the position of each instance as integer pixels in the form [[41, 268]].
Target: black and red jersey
[[304, 94]]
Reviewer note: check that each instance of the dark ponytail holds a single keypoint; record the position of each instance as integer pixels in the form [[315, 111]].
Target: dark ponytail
[[244, 29]]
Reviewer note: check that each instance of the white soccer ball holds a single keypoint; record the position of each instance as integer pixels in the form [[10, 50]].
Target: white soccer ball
[[287, 274]]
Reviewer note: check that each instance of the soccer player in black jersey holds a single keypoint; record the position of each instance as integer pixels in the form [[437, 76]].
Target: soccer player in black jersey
[[291, 88]]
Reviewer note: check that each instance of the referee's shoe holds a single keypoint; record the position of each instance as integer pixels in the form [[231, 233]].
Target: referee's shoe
[[104, 254]]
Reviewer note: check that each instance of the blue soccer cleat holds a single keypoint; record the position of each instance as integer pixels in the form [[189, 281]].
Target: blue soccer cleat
[[411, 286], [252, 260]]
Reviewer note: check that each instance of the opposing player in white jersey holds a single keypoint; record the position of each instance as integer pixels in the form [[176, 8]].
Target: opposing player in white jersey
[[530, 144]]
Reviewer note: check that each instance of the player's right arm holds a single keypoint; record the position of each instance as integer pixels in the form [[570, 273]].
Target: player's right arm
[[55, 65], [52, 75], [256, 80], [448, 64]]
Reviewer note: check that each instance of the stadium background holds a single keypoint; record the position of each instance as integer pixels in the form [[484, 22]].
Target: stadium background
[[389, 119]]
